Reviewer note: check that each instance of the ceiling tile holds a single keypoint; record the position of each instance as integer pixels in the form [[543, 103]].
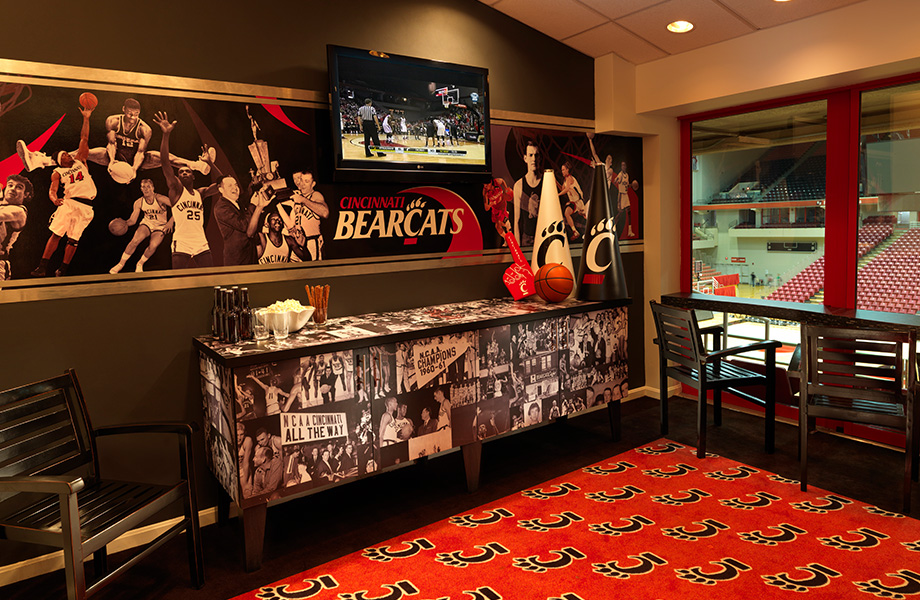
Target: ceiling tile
[[769, 14], [712, 24], [614, 9], [556, 18], [613, 38]]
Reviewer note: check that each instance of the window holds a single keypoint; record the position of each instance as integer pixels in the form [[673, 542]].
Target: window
[[758, 197], [888, 272]]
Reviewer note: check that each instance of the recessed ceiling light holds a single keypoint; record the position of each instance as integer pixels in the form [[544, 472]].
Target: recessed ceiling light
[[680, 26]]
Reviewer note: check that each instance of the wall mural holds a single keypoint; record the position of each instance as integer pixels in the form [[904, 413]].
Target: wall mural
[[87, 190]]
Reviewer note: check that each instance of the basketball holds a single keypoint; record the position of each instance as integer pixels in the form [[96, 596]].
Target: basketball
[[121, 171], [89, 100], [554, 282], [118, 226]]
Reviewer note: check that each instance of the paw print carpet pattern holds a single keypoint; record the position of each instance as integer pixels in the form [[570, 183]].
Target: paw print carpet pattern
[[653, 522]]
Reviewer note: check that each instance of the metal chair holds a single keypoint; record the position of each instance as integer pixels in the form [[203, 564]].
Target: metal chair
[[859, 376], [679, 341]]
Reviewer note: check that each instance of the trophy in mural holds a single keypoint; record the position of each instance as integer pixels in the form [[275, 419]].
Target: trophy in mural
[[551, 243], [601, 275], [266, 170]]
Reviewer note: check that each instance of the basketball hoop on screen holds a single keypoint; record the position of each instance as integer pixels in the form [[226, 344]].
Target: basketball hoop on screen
[[446, 101]]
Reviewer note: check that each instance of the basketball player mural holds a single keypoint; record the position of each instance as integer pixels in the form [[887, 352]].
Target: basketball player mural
[[75, 210], [527, 197], [155, 224], [275, 247], [127, 137], [189, 245], [13, 216], [625, 192], [307, 207]]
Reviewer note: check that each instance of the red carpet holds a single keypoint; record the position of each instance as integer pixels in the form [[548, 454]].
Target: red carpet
[[653, 522]]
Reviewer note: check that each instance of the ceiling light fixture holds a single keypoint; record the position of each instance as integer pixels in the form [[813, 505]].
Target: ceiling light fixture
[[680, 26]]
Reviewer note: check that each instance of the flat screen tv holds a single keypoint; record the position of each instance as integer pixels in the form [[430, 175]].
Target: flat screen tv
[[433, 118]]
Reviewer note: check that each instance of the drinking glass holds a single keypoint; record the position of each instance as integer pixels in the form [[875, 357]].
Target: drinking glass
[[280, 326], [260, 324]]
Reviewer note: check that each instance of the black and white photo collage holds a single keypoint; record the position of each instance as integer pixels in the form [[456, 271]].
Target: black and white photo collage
[[303, 423], [217, 406]]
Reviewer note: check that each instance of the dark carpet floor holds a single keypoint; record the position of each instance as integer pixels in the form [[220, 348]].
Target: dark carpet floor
[[310, 531]]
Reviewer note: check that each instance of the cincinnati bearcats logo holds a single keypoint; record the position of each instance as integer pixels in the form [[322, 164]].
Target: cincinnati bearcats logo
[[633, 524], [831, 503], [912, 546], [623, 493], [289, 591], [910, 587], [395, 591], [562, 521], [619, 467], [818, 576], [483, 593], [493, 516], [732, 474], [459, 559], [707, 529], [660, 449], [689, 497], [780, 479], [865, 538], [762, 499], [564, 558], [386, 554], [678, 470], [643, 564], [728, 569], [874, 510], [546, 493], [787, 533], [601, 232], [554, 232]]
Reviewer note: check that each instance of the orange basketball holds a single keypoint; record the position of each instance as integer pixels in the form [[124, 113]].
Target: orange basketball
[[89, 100], [554, 282]]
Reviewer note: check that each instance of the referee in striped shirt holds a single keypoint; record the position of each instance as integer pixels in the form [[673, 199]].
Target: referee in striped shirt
[[367, 114]]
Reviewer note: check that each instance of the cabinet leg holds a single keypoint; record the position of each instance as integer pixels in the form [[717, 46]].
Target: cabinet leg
[[254, 535], [613, 411], [472, 455], [223, 508]]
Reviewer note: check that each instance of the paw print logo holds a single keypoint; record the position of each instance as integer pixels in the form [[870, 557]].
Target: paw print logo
[[313, 587], [820, 576], [602, 226], [554, 228], [415, 204], [874, 510], [534, 564]]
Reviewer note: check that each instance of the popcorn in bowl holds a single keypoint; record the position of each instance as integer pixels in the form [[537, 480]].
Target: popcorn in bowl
[[293, 311]]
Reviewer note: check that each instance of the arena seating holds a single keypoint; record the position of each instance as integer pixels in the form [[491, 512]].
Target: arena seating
[[890, 282]]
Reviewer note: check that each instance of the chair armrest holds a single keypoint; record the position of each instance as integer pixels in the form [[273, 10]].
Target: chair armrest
[[43, 484], [765, 345], [712, 329], [179, 428]]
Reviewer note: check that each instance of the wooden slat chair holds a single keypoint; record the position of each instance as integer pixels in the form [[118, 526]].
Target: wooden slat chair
[[679, 342], [51, 492], [859, 376]]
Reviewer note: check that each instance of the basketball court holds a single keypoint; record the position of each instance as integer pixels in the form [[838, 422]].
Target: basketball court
[[413, 150]]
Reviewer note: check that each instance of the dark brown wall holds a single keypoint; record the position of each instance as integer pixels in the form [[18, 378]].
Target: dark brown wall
[[133, 351]]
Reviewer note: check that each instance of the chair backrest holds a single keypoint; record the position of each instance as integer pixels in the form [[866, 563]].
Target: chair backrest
[[678, 335], [44, 429], [857, 363]]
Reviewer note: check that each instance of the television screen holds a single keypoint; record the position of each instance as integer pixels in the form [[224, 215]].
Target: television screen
[[397, 115]]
